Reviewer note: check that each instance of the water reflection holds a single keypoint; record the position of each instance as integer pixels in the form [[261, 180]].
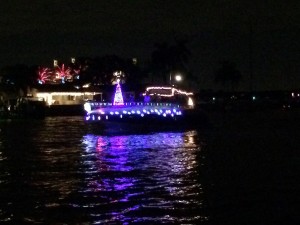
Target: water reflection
[[57, 171], [38, 164], [142, 178]]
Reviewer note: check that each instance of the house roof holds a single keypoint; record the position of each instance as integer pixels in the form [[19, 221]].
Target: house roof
[[102, 88], [65, 88]]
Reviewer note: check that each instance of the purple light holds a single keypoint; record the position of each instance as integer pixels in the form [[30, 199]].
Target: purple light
[[156, 109], [118, 99]]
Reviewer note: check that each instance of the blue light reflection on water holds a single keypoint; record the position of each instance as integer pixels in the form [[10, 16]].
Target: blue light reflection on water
[[59, 171], [142, 178]]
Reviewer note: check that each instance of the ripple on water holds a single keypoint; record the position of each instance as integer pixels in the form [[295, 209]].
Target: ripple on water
[[57, 172]]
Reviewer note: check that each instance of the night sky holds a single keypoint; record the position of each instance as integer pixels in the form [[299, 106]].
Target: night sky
[[37, 31]]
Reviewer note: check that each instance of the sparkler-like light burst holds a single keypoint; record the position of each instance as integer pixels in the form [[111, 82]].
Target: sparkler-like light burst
[[43, 75], [63, 73]]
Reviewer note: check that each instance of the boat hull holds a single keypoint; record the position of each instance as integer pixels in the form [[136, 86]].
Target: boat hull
[[193, 119]]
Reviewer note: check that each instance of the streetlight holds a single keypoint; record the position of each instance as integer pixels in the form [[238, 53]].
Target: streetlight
[[178, 78]]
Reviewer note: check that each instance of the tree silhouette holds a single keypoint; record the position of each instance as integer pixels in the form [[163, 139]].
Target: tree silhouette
[[84, 65], [134, 73], [100, 70], [107, 65], [20, 76], [168, 59], [228, 75]]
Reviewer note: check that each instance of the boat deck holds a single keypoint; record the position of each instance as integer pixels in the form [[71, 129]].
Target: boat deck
[[97, 111]]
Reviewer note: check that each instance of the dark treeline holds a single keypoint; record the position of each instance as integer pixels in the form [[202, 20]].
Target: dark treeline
[[166, 59]]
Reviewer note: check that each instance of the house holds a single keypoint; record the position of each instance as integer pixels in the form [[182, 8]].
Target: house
[[64, 99], [64, 94], [68, 99]]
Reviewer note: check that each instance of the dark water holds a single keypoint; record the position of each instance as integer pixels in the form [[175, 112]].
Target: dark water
[[62, 171]]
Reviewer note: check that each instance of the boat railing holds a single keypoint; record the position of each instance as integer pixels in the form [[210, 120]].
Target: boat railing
[[129, 104]]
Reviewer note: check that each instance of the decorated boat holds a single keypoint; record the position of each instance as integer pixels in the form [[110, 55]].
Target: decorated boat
[[161, 106]]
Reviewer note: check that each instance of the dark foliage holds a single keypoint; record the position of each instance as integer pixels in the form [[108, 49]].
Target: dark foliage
[[228, 75]]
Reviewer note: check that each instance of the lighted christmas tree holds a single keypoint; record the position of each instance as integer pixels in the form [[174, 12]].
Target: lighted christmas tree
[[118, 99]]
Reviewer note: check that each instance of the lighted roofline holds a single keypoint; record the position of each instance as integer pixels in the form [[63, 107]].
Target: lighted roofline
[[48, 95], [68, 93], [173, 90]]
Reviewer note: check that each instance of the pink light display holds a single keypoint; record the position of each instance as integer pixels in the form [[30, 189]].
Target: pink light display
[[63, 73], [43, 75], [118, 99], [118, 109]]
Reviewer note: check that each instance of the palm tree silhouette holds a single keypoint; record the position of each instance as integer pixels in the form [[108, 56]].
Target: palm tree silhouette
[[168, 59]]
